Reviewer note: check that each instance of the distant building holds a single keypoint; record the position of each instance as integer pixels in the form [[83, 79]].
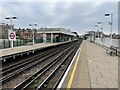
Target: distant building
[[4, 30], [116, 36], [56, 34], [25, 33], [45, 34], [91, 35]]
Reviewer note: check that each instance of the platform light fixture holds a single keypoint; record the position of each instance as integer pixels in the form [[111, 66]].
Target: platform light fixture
[[101, 23], [11, 17], [33, 32], [97, 29], [110, 23]]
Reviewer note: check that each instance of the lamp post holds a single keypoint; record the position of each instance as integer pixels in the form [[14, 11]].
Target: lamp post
[[44, 35], [33, 32], [11, 17], [110, 23], [97, 31], [99, 22]]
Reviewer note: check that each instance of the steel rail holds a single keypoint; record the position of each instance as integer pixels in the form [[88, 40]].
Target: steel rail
[[29, 79], [53, 72], [9, 76], [41, 54]]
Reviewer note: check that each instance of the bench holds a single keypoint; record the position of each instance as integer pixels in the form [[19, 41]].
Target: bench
[[113, 50], [118, 52]]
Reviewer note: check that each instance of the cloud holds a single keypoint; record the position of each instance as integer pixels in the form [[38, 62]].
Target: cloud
[[96, 4], [60, 20], [60, 1], [14, 8], [78, 16], [90, 20], [49, 8]]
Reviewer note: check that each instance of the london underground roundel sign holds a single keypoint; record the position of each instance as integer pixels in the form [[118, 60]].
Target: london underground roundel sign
[[12, 35]]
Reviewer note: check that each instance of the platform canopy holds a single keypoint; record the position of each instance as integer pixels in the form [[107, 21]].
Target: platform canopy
[[56, 30]]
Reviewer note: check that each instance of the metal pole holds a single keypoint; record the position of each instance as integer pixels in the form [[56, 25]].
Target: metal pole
[[98, 31], [102, 34], [44, 36], [98, 34], [111, 29], [11, 30], [95, 35], [33, 35]]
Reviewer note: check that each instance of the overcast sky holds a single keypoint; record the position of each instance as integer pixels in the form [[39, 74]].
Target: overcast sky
[[76, 15]]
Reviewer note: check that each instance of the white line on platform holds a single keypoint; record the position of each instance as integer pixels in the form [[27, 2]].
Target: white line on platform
[[61, 82]]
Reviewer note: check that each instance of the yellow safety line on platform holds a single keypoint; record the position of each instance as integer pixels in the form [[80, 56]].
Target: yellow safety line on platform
[[73, 71]]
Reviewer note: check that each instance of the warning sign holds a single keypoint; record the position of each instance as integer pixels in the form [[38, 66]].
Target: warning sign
[[12, 35]]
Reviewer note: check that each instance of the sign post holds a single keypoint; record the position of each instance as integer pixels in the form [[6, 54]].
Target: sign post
[[11, 34], [12, 37], [44, 37]]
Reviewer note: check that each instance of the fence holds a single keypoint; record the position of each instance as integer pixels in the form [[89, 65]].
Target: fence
[[5, 43], [106, 42]]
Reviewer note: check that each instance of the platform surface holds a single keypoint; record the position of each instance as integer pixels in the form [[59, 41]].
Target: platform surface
[[92, 68], [14, 50]]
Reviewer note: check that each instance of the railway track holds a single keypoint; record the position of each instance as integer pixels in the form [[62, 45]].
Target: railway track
[[22, 67], [7, 68], [53, 80], [14, 67], [58, 70], [39, 79]]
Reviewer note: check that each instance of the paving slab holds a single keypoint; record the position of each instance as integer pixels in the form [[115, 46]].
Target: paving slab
[[105, 67], [14, 50], [95, 69]]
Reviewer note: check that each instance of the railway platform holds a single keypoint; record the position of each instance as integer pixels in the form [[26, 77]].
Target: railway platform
[[16, 51], [91, 67]]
